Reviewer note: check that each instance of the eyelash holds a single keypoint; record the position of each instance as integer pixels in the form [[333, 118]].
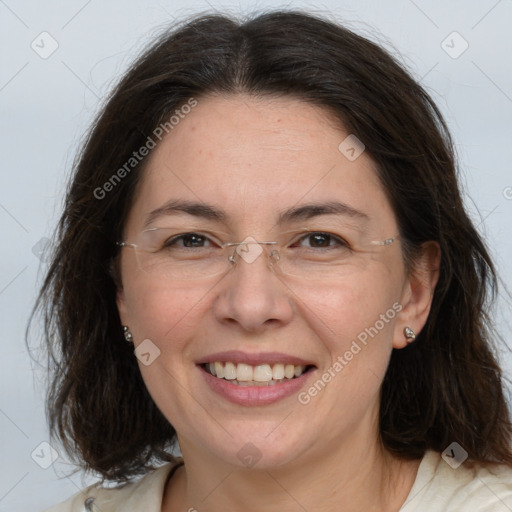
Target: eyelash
[[338, 241]]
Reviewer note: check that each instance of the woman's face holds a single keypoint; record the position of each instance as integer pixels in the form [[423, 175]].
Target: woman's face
[[270, 169]]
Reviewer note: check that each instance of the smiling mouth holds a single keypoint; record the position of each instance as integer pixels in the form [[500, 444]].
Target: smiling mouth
[[261, 375]]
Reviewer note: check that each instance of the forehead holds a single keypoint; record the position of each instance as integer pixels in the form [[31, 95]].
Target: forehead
[[254, 157]]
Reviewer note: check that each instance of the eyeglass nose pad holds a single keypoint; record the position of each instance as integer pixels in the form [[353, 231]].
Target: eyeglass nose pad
[[274, 256]]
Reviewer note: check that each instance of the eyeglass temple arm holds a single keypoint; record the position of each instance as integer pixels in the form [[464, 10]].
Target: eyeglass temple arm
[[388, 241]]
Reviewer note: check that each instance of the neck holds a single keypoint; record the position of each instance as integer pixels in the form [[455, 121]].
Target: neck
[[354, 477]]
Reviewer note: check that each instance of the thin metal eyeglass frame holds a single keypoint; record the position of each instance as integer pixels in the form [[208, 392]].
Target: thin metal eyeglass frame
[[232, 258]]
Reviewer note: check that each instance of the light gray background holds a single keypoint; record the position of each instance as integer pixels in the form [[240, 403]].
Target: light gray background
[[46, 105]]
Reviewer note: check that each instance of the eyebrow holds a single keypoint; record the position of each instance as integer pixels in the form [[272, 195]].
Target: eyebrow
[[298, 213], [195, 209], [311, 210]]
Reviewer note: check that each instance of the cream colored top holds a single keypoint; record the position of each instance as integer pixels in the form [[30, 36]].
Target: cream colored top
[[437, 488]]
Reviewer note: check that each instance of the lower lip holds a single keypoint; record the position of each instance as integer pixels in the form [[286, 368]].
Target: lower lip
[[254, 395]]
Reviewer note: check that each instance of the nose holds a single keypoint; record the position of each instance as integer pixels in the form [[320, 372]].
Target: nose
[[252, 296]]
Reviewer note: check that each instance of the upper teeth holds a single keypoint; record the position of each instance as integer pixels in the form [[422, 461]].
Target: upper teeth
[[261, 373]]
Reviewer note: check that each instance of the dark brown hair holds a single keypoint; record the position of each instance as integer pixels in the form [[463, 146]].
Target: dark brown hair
[[445, 387]]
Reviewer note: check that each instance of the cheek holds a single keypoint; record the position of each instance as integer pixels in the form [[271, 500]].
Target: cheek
[[341, 312], [355, 324], [162, 314], [171, 319]]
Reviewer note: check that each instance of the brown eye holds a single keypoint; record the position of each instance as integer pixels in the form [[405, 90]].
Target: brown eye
[[188, 240], [321, 240], [193, 240]]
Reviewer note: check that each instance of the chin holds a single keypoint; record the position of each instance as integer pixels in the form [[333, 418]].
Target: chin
[[269, 450]]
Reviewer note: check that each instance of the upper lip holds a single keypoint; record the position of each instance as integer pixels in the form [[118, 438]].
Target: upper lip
[[237, 356]]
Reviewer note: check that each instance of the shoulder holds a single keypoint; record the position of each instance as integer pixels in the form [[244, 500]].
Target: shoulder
[[143, 494], [439, 486]]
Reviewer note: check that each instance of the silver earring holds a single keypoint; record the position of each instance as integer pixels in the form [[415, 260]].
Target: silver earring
[[410, 335], [128, 336]]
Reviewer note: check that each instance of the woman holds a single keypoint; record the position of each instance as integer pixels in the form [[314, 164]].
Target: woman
[[264, 259]]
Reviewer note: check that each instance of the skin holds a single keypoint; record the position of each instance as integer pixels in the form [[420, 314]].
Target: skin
[[253, 158]]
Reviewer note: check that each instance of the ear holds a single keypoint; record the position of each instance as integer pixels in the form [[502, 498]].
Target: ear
[[418, 292], [115, 273], [121, 306]]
